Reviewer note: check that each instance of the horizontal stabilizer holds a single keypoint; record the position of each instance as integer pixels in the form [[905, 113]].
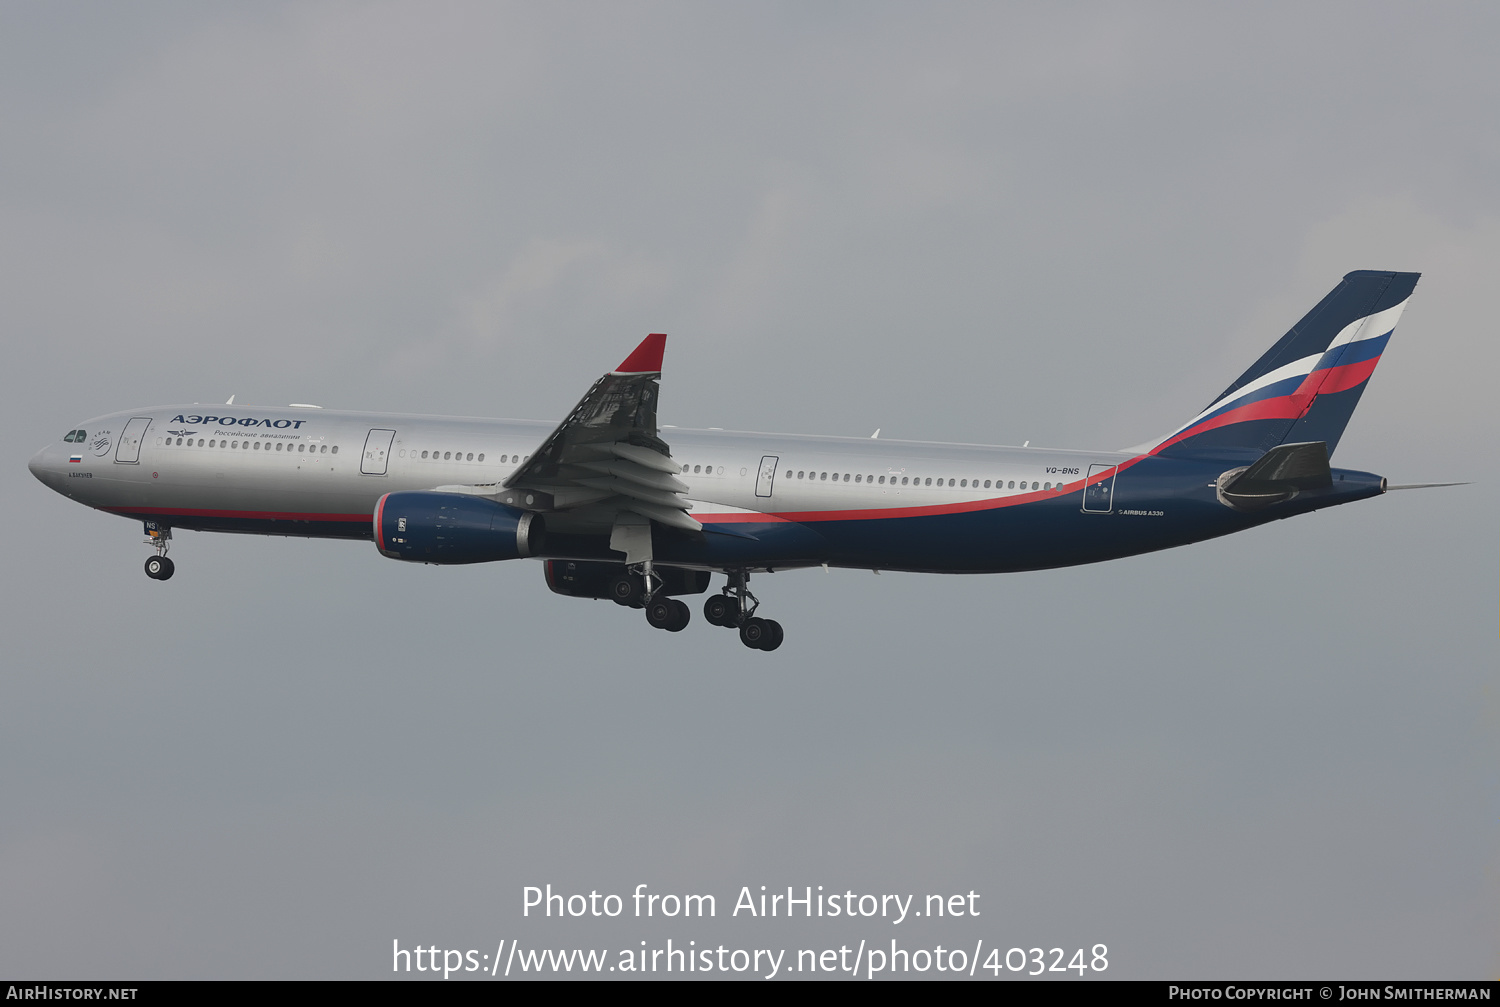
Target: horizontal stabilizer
[[1276, 476]]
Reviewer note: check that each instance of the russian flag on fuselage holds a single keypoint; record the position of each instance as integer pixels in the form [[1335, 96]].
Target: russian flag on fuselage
[[1305, 387]]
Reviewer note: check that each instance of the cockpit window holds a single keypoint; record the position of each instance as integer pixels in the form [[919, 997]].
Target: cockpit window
[[75, 437]]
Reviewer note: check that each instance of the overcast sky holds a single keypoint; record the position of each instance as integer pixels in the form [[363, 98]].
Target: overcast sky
[[1273, 755]]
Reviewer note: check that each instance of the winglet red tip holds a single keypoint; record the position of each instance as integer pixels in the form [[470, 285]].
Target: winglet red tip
[[645, 358]]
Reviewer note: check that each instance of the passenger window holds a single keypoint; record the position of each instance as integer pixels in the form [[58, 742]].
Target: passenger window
[[1047, 487], [697, 469], [846, 477], [469, 457], [903, 480], [882, 480], [1033, 485], [447, 455], [685, 469], [481, 456], [335, 449], [859, 478]]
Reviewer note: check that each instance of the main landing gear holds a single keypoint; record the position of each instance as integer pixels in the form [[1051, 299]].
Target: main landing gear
[[642, 590], [735, 609], [158, 567], [639, 587]]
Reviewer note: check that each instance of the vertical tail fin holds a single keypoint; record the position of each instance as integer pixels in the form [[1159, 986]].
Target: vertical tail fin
[[1305, 387]]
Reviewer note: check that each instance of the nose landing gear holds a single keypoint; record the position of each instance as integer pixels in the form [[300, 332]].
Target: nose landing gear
[[735, 609], [158, 567]]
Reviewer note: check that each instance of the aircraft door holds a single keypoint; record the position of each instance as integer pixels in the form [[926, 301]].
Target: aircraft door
[[128, 451], [1099, 497], [767, 475], [377, 452]]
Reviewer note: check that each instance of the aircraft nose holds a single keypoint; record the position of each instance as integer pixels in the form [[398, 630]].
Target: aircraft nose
[[41, 466]]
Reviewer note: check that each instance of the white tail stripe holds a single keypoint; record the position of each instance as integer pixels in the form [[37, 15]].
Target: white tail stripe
[[1369, 327]]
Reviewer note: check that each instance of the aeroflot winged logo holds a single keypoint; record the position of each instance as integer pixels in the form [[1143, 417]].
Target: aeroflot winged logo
[[244, 421]]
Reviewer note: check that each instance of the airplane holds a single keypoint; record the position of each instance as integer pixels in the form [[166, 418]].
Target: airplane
[[618, 507]]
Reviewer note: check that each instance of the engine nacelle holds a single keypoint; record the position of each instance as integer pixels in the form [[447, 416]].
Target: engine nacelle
[[425, 527], [589, 579]]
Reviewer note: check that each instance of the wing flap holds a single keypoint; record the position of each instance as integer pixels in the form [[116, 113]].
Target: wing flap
[[646, 457], [635, 491], [651, 478], [668, 516]]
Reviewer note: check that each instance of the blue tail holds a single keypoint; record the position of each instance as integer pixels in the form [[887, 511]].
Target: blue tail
[[1305, 387]]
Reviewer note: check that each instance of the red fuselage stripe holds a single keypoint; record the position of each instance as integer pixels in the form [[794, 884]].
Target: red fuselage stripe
[[262, 515]]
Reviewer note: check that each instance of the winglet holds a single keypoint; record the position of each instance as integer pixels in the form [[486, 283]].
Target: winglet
[[645, 358]]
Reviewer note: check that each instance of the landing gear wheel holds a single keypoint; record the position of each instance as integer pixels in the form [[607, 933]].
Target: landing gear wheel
[[661, 613], [754, 633], [627, 590], [160, 568], [720, 610], [668, 614], [774, 637]]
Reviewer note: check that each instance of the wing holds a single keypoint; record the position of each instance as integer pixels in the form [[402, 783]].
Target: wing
[[606, 459]]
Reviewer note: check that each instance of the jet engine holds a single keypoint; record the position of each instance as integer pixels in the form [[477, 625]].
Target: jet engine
[[428, 527]]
